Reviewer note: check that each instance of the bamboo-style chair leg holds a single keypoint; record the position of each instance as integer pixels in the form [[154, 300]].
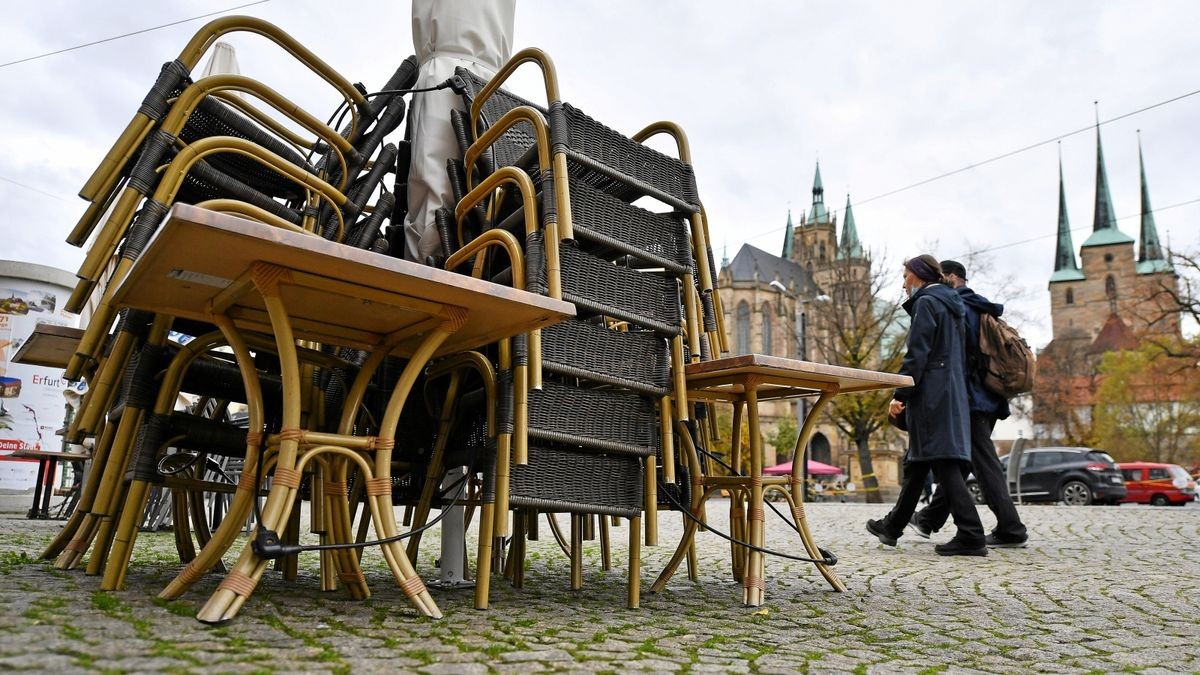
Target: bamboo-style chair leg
[[635, 562], [483, 559], [183, 504], [87, 496], [576, 551], [605, 552]]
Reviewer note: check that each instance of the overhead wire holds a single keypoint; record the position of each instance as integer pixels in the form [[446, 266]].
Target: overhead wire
[[1004, 155], [125, 35]]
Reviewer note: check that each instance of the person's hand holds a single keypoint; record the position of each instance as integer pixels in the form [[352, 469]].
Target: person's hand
[[895, 408]]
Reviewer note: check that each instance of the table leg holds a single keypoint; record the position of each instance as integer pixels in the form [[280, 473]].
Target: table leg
[[37, 490], [753, 579], [243, 498], [698, 496], [797, 485]]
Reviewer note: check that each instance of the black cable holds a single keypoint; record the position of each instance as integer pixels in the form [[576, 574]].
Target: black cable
[[267, 544], [828, 557]]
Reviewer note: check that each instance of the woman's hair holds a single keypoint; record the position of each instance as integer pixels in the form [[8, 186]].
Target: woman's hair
[[926, 268]]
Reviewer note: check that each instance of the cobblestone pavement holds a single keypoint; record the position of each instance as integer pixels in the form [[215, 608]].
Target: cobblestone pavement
[[1100, 589]]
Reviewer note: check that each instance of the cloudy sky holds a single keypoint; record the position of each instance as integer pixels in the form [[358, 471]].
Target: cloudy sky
[[884, 94]]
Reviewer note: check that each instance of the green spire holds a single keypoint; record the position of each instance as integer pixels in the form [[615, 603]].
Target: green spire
[[787, 238], [818, 214], [1065, 267], [1104, 221], [1150, 253], [850, 246]]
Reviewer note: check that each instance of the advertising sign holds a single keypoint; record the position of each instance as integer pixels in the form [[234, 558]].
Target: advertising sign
[[32, 404]]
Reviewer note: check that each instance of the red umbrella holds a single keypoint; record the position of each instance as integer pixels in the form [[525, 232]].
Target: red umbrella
[[815, 468]]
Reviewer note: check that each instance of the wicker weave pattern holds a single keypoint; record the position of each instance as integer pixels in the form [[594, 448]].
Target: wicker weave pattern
[[646, 300], [597, 154], [610, 223], [609, 419], [631, 359], [557, 480], [213, 118], [586, 139]]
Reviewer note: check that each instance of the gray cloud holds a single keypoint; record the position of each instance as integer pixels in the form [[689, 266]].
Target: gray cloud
[[885, 93]]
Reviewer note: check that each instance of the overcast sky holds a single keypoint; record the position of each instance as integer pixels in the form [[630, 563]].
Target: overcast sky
[[885, 94]]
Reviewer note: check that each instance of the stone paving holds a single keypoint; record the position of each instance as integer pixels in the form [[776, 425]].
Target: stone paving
[[1100, 589]]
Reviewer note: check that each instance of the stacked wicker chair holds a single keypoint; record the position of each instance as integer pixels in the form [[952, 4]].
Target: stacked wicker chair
[[586, 406], [195, 142]]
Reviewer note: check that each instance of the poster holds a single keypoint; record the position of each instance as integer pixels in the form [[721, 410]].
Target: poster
[[32, 404]]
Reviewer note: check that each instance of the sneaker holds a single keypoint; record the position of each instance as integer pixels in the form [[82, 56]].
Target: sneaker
[[876, 528], [994, 541], [958, 547], [918, 529]]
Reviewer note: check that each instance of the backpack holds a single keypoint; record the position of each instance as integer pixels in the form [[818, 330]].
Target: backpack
[[1006, 363]]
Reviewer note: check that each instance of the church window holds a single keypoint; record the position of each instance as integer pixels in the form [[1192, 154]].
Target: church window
[[1110, 287], [1070, 296], [766, 329], [743, 328], [1108, 257], [822, 254]]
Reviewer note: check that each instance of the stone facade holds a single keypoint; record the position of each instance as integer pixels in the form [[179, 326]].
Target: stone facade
[[1113, 285], [771, 302]]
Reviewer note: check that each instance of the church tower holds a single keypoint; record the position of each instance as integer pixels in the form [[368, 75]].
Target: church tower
[[1110, 281], [815, 245]]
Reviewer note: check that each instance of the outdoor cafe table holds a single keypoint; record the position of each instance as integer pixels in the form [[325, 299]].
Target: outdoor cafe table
[[245, 276], [744, 381]]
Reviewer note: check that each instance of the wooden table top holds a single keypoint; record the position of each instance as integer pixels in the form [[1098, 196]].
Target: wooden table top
[[780, 377], [49, 345], [337, 294], [50, 454]]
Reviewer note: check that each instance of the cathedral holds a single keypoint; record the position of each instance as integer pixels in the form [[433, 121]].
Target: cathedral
[[774, 304]]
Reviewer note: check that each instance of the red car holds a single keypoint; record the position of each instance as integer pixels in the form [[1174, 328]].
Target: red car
[[1157, 484]]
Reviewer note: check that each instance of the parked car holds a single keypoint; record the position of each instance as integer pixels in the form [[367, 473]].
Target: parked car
[[1074, 476], [1156, 483]]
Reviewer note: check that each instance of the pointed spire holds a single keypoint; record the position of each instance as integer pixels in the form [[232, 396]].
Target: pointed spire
[[818, 214], [850, 246], [788, 236], [1065, 266], [1150, 252], [1103, 217], [1104, 221]]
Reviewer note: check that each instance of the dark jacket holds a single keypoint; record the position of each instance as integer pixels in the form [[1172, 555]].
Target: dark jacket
[[936, 406], [982, 400]]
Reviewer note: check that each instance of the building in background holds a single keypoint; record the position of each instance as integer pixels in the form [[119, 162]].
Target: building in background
[[779, 305], [1118, 295], [32, 404]]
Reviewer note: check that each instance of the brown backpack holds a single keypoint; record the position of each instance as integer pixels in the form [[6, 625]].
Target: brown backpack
[[1006, 362]]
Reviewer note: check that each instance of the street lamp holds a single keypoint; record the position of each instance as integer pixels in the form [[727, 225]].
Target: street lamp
[[801, 333]]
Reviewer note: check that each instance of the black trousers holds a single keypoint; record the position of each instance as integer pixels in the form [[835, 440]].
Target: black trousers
[[949, 475], [992, 477]]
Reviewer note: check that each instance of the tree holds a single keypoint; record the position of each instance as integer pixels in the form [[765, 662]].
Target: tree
[[1063, 390], [783, 437], [861, 328], [1148, 405]]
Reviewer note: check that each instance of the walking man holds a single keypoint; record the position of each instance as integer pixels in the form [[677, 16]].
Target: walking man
[[986, 407], [935, 409]]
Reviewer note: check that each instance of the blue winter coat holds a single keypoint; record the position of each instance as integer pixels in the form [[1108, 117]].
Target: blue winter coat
[[936, 406], [981, 400]]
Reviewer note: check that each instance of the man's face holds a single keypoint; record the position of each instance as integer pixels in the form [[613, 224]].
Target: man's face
[[955, 280]]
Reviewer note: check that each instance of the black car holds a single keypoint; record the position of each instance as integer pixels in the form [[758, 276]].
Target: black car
[[1074, 476]]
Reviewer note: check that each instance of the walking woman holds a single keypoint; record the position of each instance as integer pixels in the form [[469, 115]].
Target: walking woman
[[935, 409]]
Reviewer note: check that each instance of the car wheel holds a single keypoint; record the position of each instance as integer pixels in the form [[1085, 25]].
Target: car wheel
[[1160, 500], [976, 493], [1075, 493]]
